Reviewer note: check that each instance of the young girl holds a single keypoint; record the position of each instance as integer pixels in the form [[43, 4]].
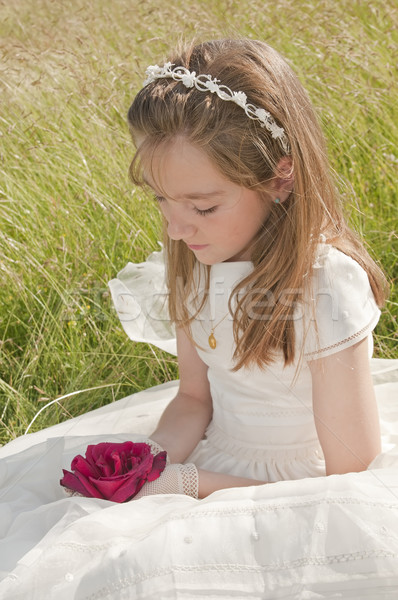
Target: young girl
[[273, 299], [276, 373]]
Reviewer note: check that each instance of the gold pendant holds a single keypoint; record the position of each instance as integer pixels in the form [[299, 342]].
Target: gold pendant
[[212, 341]]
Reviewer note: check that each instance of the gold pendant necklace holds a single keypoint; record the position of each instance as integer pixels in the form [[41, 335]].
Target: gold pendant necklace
[[212, 340]]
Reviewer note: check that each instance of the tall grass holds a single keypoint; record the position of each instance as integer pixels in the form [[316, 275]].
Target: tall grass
[[69, 217]]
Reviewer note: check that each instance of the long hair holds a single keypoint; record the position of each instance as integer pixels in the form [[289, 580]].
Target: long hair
[[283, 251]]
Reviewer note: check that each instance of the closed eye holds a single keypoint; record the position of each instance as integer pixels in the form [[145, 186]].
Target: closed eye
[[205, 212], [198, 211]]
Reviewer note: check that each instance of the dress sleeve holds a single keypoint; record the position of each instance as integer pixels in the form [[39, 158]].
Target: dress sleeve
[[140, 297], [340, 309]]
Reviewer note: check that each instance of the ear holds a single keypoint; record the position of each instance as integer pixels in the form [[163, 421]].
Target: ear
[[283, 183]]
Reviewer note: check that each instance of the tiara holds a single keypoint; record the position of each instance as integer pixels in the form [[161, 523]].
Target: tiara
[[205, 83]]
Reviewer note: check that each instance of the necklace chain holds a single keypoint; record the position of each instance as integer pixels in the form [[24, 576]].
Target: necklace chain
[[211, 339]]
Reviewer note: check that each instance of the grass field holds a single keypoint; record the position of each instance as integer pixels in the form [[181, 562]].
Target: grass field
[[70, 219]]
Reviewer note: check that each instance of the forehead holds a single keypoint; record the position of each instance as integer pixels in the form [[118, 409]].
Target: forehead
[[179, 169]]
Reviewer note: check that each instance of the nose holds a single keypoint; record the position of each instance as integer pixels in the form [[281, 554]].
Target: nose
[[178, 228]]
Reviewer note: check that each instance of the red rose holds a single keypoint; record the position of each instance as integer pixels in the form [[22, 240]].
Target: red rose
[[114, 472]]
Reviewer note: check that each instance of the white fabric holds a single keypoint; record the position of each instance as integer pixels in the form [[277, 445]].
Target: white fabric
[[341, 311], [140, 299], [304, 537]]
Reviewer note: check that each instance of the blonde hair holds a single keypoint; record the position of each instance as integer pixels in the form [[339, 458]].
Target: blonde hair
[[283, 251]]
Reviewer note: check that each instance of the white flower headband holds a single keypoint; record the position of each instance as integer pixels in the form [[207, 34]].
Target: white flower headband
[[205, 83]]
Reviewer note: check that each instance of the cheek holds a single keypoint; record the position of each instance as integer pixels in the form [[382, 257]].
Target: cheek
[[250, 224], [231, 227], [259, 217]]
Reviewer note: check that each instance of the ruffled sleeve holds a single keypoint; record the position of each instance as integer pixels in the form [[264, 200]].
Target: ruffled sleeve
[[340, 310], [140, 297]]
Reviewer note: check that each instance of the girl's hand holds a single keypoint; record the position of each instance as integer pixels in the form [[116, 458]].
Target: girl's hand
[[175, 479]]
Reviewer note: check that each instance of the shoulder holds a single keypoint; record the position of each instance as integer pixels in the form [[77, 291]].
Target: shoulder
[[335, 270], [338, 308]]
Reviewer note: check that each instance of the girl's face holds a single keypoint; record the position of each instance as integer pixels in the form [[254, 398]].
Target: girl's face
[[216, 218]]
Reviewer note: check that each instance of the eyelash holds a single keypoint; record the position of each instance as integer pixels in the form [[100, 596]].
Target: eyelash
[[202, 213]]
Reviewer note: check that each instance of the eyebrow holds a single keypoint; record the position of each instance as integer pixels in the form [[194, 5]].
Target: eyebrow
[[202, 195], [193, 195]]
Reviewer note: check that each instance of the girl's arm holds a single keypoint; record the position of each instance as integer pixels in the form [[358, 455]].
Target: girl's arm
[[184, 421], [210, 482], [186, 418], [345, 409]]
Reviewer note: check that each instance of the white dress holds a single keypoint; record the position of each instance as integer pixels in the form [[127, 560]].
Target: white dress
[[306, 536]]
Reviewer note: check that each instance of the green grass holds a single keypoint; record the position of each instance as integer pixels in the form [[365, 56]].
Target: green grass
[[69, 217]]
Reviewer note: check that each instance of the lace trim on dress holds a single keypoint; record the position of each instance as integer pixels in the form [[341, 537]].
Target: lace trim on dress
[[355, 335], [295, 411], [253, 510], [229, 568]]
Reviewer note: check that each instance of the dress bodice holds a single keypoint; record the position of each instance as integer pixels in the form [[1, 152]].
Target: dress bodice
[[257, 412]]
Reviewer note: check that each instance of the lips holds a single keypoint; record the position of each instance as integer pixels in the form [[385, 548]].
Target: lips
[[197, 246]]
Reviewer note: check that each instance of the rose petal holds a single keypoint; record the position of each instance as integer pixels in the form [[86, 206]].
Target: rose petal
[[102, 456], [142, 468], [159, 463], [134, 481], [129, 489], [141, 450], [108, 486], [104, 468], [80, 464], [79, 484], [106, 465], [118, 461], [96, 452], [93, 456], [93, 452]]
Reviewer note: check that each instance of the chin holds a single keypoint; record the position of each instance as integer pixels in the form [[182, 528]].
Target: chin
[[207, 261]]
